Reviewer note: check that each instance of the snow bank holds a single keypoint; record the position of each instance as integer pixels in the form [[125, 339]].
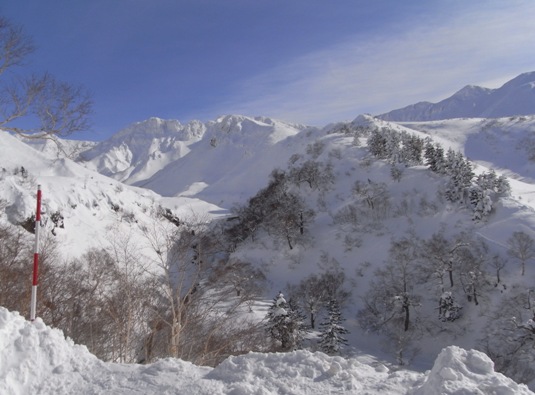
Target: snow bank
[[32, 353], [35, 359], [304, 372], [461, 372]]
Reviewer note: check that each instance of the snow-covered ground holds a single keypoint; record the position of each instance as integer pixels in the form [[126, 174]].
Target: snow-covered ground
[[36, 359]]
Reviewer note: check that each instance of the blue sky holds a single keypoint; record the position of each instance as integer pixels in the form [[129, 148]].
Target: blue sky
[[304, 61]]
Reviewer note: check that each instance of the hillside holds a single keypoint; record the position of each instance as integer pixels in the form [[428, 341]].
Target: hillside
[[92, 206], [516, 97], [362, 210]]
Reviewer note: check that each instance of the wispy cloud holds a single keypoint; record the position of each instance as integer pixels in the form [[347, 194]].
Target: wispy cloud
[[428, 61]]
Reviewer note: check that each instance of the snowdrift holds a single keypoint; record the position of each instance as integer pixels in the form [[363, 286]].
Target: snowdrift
[[36, 359]]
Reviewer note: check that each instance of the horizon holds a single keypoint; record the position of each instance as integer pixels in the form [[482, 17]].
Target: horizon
[[301, 62]]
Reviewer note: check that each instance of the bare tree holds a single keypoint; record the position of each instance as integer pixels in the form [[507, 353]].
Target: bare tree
[[509, 336], [376, 197], [50, 107], [498, 262], [441, 256], [522, 247], [315, 292], [392, 300], [193, 311], [14, 276]]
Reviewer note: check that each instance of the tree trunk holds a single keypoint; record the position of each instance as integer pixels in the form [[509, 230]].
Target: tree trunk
[[406, 309]]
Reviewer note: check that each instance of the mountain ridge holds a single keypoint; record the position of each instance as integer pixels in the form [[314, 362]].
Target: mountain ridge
[[515, 97]]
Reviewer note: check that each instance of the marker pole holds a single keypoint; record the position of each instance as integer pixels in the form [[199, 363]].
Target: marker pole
[[36, 256]]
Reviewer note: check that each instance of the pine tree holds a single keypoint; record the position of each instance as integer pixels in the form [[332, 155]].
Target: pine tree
[[297, 326], [332, 331], [285, 324], [377, 144]]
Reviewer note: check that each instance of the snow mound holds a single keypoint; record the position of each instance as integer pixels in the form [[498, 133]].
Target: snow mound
[[31, 353], [36, 359], [305, 372], [461, 372]]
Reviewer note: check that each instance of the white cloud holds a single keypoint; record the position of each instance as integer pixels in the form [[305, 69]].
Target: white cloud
[[429, 61]]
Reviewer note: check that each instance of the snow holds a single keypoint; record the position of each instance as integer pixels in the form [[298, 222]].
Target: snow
[[515, 97], [84, 198], [463, 372], [37, 359], [203, 169], [149, 154]]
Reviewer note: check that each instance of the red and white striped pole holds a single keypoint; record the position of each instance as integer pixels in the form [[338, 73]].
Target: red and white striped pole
[[36, 255]]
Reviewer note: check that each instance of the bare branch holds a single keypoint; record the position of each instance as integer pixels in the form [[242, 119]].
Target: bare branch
[[49, 107], [14, 45]]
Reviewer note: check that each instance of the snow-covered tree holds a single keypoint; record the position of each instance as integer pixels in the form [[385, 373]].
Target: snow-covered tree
[[481, 202], [317, 175], [522, 247], [509, 336], [277, 209], [411, 150], [448, 308], [332, 337], [376, 197], [377, 144], [460, 171], [285, 324]]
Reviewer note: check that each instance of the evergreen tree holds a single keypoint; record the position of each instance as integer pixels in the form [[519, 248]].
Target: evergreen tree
[[377, 144], [285, 324], [440, 161], [461, 175], [332, 331], [297, 325], [430, 156], [481, 202]]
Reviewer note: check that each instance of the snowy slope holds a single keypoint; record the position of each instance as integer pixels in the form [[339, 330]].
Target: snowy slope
[[140, 150], [57, 148], [36, 359], [94, 206], [359, 250], [516, 97], [501, 143], [206, 160]]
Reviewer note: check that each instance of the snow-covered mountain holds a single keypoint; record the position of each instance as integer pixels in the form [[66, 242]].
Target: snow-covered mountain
[[209, 160], [140, 150], [358, 205], [93, 207], [516, 97]]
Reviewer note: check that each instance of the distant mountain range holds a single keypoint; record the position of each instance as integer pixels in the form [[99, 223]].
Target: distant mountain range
[[198, 158], [516, 97]]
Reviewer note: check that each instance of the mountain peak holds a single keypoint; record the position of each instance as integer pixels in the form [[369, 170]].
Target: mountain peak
[[153, 126], [471, 91], [516, 97], [521, 80]]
